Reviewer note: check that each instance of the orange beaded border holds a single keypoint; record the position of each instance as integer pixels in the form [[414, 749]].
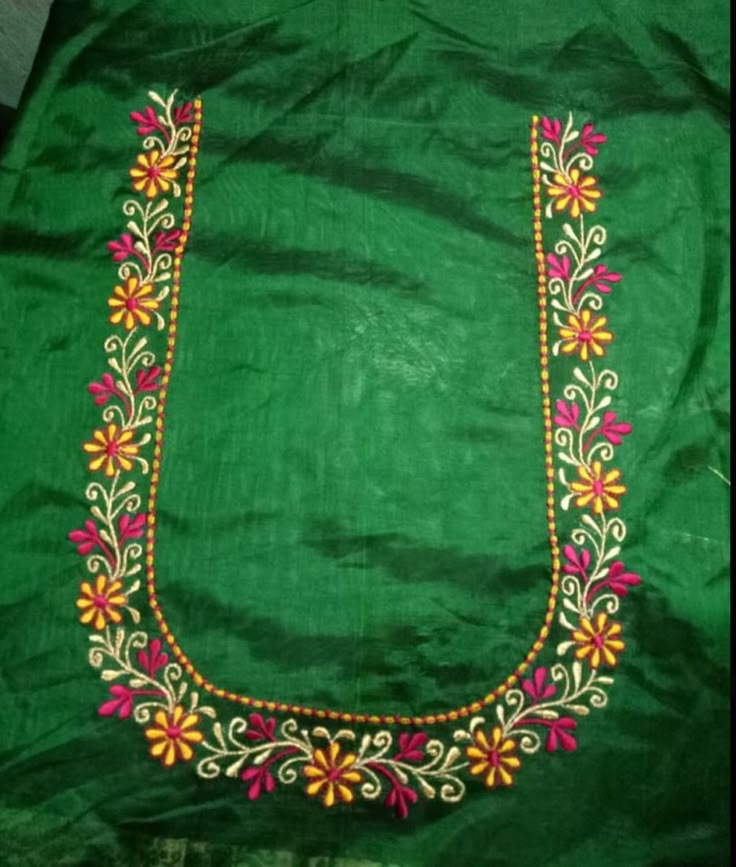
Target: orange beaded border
[[323, 713]]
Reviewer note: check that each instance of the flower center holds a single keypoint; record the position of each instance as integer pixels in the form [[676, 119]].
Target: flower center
[[334, 775], [597, 487], [99, 602], [598, 641], [584, 336], [173, 732], [111, 449], [493, 759], [573, 191], [153, 171], [131, 303]]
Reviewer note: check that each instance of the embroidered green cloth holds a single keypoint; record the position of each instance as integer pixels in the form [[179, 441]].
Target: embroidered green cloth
[[369, 456]]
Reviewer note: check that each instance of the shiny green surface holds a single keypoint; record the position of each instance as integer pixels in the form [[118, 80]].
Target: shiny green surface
[[350, 510]]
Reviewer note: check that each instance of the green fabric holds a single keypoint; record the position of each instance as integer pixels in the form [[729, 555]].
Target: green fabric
[[350, 511]]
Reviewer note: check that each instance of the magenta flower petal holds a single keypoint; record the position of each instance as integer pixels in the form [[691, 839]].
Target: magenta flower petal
[[620, 581], [122, 248], [590, 139], [613, 430], [146, 378], [566, 415], [560, 735], [551, 129], [558, 268], [411, 746]]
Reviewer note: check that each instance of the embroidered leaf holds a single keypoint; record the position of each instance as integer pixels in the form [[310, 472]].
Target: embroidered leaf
[[577, 674], [579, 709]]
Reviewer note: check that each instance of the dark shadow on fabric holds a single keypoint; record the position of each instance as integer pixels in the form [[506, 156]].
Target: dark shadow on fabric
[[263, 257]]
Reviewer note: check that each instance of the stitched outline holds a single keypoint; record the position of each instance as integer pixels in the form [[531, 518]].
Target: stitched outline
[[250, 748]]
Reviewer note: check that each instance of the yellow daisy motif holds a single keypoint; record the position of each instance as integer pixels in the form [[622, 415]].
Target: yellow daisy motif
[[152, 173], [172, 735], [585, 335], [574, 191], [131, 304], [332, 775], [597, 488], [112, 450], [598, 641], [494, 756], [99, 603]]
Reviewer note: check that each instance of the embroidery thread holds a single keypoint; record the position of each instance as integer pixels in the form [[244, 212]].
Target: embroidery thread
[[532, 707]]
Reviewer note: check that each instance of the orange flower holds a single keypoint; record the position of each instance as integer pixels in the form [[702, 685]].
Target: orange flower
[[112, 448], [584, 335], [597, 488], [99, 604], [130, 303], [333, 773], [152, 173], [172, 734], [573, 191], [598, 641], [495, 757]]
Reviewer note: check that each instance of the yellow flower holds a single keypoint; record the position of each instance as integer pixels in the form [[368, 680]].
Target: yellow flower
[[333, 773], [112, 449], [584, 335], [495, 757], [579, 193], [152, 173], [598, 641], [597, 488], [172, 734], [130, 303], [100, 603]]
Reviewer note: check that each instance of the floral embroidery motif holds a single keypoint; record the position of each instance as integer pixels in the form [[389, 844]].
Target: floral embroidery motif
[[534, 707], [131, 305], [172, 735], [493, 757]]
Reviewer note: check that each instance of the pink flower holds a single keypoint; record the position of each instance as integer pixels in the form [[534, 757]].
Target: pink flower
[[536, 688], [559, 735], [260, 729], [613, 430], [86, 539], [551, 129], [122, 248], [147, 121], [576, 565], [258, 777], [558, 268], [183, 113], [146, 378], [131, 528], [166, 240], [602, 277], [399, 797], [411, 747], [121, 702], [589, 139], [102, 390], [617, 580], [566, 416], [151, 659]]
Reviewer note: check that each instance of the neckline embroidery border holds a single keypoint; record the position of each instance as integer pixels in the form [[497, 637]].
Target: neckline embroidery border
[[335, 766]]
